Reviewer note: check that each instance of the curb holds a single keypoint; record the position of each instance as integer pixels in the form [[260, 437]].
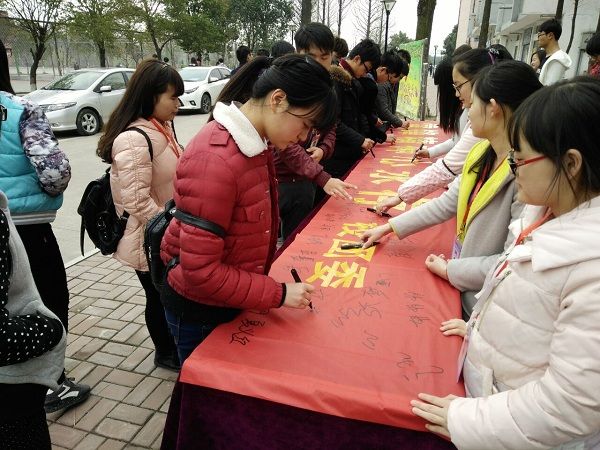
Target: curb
[[81, 258]]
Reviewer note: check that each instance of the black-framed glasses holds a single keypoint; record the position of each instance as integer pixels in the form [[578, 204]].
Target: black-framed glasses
[[514, 164], [540, 33], [366, 67], [458, 86]]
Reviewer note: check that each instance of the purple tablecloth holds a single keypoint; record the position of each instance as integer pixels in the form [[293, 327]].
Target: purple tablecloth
[[203, 418]]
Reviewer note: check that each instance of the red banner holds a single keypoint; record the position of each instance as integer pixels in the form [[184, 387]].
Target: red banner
[[372, 341]]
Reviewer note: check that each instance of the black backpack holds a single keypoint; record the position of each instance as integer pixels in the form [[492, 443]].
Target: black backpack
[[154, 232], [97, 210]]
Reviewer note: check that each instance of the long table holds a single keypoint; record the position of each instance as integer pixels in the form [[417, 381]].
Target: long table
[[342, 374]]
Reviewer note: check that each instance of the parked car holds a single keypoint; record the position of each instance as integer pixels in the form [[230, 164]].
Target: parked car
[[202, 87], [82, 100]]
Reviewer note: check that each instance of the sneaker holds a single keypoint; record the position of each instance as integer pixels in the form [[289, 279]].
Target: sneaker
[[67, 395]]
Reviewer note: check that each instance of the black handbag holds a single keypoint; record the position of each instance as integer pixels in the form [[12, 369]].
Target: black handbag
[[154, 232]]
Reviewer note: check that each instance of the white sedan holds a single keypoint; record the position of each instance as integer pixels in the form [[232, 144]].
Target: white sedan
[[202, 86], [82, 100]]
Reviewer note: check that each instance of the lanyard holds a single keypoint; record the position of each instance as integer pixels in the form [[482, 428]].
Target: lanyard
[[170, 139], [482, 180], [523, 235]]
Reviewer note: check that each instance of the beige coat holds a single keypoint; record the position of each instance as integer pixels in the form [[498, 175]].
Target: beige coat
[[140, 186], [533, 357]]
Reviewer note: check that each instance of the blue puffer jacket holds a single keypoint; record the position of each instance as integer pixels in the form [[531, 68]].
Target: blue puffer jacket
[[33, 170]]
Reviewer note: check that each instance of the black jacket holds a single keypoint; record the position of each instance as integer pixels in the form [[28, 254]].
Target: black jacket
[[349, 137]]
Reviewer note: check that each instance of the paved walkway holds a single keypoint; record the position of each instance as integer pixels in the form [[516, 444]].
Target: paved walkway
[[109, 348]]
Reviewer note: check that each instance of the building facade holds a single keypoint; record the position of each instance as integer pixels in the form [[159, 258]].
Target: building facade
[[513, 23]]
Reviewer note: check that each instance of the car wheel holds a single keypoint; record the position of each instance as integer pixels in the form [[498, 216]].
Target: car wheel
[[205, 103], [88, 122]]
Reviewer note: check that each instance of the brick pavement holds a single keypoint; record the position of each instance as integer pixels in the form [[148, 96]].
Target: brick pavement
[[109, 348]]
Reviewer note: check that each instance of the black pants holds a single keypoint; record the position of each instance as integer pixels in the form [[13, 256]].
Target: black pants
[[23, 423], [47, 267], [295, 203], [48, 270], [155, 317]]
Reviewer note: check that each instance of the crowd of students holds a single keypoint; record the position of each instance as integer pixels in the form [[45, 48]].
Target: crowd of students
[[523, 177]]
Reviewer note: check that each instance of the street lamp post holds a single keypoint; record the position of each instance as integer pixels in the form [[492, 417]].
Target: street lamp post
[[388, 5], [434, 54]]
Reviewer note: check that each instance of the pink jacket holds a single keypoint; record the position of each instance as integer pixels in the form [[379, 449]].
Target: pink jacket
[[140, 186]]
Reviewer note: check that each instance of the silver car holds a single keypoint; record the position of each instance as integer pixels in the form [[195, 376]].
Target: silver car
[[82, 100], [202, 87]]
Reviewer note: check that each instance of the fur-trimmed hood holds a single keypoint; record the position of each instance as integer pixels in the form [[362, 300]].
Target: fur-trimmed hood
[[340, 75]]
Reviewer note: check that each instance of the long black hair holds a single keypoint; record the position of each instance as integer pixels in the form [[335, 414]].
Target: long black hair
[[4, 74], [306, 83], [450, 106], [151, 78], [562, 117], [509, 83]]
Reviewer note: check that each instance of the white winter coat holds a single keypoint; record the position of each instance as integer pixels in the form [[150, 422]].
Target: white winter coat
[[533, 360]]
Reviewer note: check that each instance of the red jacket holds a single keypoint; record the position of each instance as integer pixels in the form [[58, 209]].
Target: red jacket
[[294, 163], [217, 182]]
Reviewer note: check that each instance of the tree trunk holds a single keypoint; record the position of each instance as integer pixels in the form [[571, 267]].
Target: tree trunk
[[559, 10], [40, 48], [340, 11], [425, 10], [57, 55], [152, 33], [598, 25], [485, 24], [102, 53], [575, 6], [369, 14], [305, 12]]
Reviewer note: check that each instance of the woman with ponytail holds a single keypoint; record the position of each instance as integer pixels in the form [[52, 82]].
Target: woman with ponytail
[[140, 145], [227, 177]]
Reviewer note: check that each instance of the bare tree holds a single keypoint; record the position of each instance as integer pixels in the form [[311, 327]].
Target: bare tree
[[367, 14], [37, 17], [575, 6], [485, 24]]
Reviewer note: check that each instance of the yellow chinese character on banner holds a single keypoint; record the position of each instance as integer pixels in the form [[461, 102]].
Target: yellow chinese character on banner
[[355, 229], [336, 252], [383, 176], [339, 274]]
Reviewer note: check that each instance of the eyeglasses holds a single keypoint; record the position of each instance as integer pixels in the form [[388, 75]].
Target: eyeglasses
[[540, 33], [367, 67], [514, 164], [457, 87]]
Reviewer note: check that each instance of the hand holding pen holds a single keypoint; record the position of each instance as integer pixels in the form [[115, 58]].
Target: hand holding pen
[[298, 294], [417, 151]]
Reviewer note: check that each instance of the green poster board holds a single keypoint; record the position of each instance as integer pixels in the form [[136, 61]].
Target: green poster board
[[411, 92]]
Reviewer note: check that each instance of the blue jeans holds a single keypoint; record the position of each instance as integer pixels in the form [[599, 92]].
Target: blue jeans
[[188, 334]]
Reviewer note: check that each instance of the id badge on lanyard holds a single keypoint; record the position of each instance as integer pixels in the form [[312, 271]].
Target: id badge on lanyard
[[456, 248]]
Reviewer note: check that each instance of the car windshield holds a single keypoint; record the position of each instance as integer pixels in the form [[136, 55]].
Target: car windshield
[[75, 81], [194, 73]]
